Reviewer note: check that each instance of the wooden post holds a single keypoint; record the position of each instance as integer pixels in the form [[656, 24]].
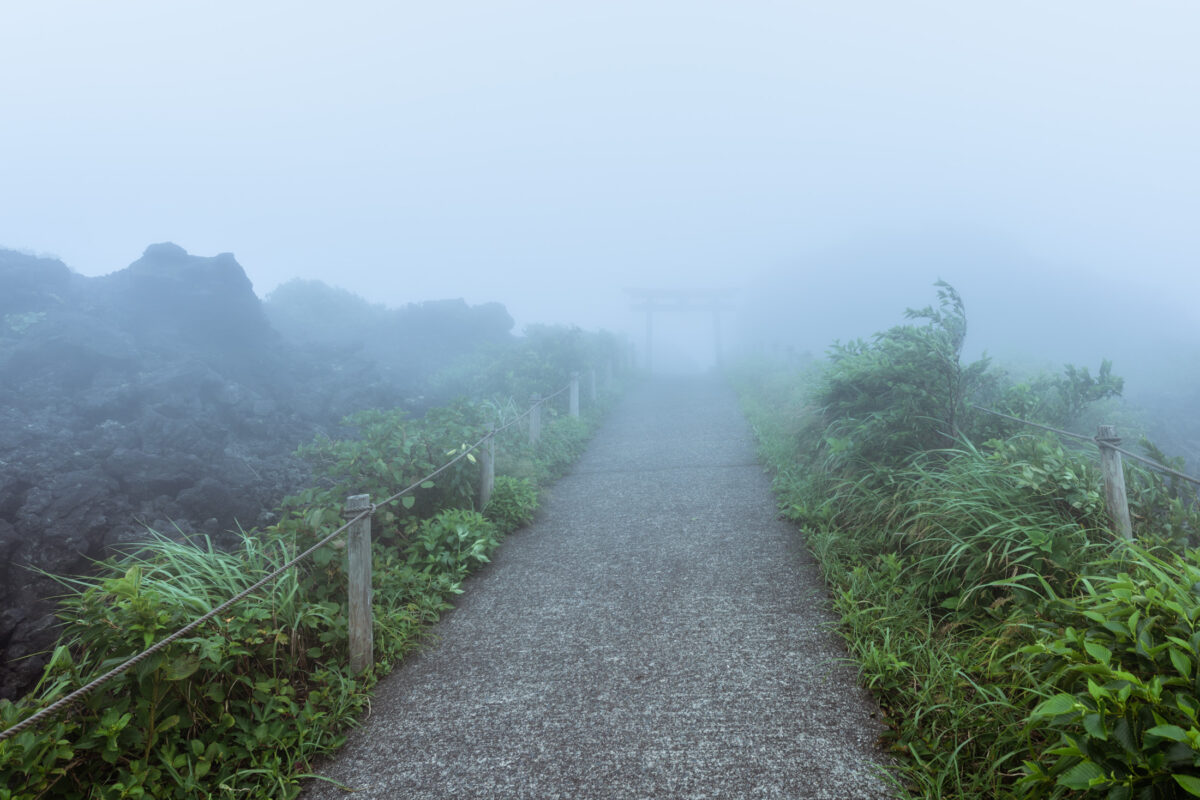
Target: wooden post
[[535, 419], [358, 552], [592, 386], [487, 468], [574, 394], [1114, 481]]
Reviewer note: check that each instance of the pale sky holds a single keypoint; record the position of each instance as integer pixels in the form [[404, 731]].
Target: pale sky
[[547, 154]]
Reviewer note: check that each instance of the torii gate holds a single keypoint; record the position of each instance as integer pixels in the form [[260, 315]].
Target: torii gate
[[690, 300]]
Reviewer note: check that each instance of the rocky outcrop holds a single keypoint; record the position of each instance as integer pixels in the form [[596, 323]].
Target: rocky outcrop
[[158, 396]]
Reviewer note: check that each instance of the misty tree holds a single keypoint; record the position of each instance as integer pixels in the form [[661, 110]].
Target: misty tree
[[905, 391]]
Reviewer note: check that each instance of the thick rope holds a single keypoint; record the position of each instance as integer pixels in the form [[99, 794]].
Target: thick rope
[[1148, 462]]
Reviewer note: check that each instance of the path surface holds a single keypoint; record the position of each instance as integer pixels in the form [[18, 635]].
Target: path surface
[[656, 633]]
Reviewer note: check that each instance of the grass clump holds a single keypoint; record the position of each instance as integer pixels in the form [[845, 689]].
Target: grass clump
[[513, 503]]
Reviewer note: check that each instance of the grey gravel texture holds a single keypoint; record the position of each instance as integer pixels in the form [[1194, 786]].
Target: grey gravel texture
[[656, 633]]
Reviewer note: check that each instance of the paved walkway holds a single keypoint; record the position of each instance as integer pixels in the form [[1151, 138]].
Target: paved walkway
[[656, 633]]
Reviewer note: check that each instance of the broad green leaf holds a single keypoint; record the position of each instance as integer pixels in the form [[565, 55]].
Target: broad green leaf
[[428, 485], [1081, 775], [1172, 732], [182, 667], [408, 501], [1181, 662], [1098, 652], [1124, 737], [1058, 704], [1190, 784], [1094, 725]]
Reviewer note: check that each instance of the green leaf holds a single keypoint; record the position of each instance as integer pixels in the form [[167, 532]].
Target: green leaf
[[428, 485], [1189, 783], [1056, 705], [182, 667], [1124, 737], [1094, 725], [1081, 775], [1098, 652], [1181, 662], [1172, 732], [1120, 793], [408, 501]]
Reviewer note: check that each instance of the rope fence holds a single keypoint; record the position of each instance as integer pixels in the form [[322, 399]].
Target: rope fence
[[358, 512], [1107, 440]]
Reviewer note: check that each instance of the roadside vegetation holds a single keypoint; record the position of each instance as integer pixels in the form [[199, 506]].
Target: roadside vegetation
[[1016, 647], [243, 707]]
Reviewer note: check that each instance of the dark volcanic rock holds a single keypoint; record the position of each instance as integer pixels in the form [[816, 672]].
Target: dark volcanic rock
[[157, 395], [206, 303]]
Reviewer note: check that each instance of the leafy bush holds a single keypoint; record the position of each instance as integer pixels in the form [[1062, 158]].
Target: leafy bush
[[512, 503], [454, 542], [1122, 662], [540, 361], [904, 392], [391, 451]]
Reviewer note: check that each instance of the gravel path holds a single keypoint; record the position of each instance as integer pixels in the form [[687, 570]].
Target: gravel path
[[656, 633]]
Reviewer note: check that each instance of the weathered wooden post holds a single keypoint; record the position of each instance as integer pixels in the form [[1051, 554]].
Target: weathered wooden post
[[358, 552], [535, 419], [592, 386], [487, 468], [574, 394], [1114, 481]]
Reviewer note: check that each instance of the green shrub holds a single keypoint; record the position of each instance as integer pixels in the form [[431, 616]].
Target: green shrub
[[1122, 662], [454, 542], [562, 442], [512, 503], [904, 392]]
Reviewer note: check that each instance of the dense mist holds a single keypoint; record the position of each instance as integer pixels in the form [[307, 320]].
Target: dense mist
[[366, 204], [548, 157]]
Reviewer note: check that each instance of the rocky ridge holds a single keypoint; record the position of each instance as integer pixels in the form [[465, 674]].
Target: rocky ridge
[[157, 396]]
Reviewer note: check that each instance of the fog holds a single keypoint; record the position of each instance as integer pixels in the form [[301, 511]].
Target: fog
[[827, 161]]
